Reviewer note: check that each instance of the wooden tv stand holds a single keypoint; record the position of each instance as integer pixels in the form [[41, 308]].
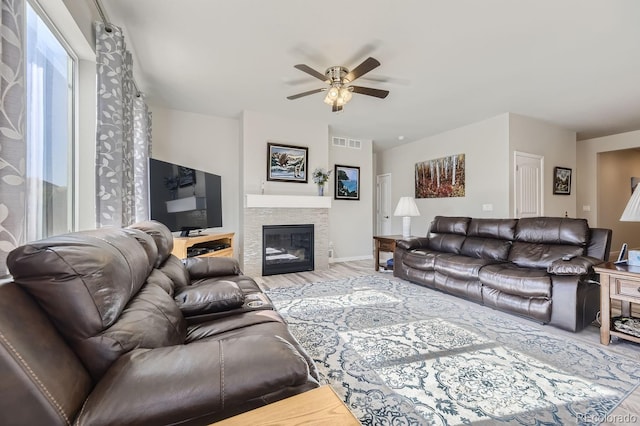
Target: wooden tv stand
[[210, 242]]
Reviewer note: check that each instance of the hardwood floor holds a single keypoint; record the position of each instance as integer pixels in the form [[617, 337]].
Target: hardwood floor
[[627, 412]]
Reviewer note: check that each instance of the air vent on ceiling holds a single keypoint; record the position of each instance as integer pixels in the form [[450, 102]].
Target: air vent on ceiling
[[347, 143]]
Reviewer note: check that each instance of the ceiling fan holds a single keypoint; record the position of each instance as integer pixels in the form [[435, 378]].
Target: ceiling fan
[[339, 79]]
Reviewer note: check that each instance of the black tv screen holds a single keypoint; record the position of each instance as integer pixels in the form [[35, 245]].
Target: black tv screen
[[184, 198]]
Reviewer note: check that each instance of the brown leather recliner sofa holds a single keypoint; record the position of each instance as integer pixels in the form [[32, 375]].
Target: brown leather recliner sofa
[[514, 265], [106, 327]]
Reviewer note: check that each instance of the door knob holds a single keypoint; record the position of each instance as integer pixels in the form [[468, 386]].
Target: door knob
[[386, 217]]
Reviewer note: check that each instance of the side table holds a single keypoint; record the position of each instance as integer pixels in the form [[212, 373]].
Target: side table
[[320, 406], [621, 283], [386, 243]]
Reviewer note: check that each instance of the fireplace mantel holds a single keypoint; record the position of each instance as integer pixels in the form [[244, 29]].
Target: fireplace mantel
[[287, 201]]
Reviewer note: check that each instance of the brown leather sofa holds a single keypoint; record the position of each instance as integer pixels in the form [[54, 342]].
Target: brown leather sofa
[[106, 327], [514, 265]]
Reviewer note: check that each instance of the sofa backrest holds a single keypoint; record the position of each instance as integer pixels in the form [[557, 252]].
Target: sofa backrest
[[447, 234], [599, 243], [161, 235], [539, 241], [489, 238], [97, 288], [43, 381]]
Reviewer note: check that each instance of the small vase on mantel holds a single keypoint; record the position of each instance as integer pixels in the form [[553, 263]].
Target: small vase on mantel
[[321, 190]]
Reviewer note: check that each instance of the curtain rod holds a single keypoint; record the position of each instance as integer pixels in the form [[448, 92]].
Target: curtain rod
[[107, 26]]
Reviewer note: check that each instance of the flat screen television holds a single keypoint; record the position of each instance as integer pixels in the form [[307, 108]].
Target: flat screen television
[[184, 199]]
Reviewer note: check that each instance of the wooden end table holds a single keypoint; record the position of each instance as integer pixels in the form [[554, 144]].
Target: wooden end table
[[622, 283], [385, 243], [320, 406]]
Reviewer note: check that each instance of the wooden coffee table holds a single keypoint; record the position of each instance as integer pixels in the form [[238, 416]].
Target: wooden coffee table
[[320, 406]]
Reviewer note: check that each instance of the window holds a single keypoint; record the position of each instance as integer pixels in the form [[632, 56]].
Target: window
[[49, 130]]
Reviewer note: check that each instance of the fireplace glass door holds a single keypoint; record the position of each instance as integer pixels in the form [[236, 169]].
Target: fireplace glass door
[[287, 248]]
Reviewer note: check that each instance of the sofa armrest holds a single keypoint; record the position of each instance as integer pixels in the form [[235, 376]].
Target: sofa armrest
[[413, 243], [200, 380], [205, 267], [580, 265], [209, 296]]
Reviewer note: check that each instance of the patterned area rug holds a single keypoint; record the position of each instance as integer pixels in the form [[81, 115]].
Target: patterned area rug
[[402, 354]]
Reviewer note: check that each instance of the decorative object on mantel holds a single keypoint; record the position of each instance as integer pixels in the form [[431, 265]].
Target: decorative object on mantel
[[287, 163], [406, 208], [320, 177], [347, 183]]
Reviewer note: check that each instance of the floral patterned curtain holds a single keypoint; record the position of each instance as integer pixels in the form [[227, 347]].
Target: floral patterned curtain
[[123, 135], [13, 148]]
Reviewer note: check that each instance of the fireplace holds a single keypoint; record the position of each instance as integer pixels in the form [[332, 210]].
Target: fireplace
[[287, 248]]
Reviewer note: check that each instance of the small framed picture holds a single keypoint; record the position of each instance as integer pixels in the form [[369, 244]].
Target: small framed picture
[[347, 179], [561, 181], [287, 163]]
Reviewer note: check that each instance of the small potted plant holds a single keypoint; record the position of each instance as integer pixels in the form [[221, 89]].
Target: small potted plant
[[320, 177]]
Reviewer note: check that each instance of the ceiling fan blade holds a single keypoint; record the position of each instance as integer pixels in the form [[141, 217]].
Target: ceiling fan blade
[[369, 91], [312, 72], [336, 107], [310, 92], [368, 64]]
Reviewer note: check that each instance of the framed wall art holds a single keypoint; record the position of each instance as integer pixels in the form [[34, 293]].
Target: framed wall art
[[561, 181], [347, 179], [287, 163], [441, 177]]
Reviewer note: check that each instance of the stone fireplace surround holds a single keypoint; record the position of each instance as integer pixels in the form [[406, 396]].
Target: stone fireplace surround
[[284, 210]]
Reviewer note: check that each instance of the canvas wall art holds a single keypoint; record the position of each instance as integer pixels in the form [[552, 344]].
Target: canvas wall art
[[441, 177], [287, 163], [347, 182]]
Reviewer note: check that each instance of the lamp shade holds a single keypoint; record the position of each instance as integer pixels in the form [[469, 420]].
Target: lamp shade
[[631, 213], [406, 207]]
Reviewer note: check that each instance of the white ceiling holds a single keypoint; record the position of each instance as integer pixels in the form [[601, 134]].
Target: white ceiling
[[447, 63]]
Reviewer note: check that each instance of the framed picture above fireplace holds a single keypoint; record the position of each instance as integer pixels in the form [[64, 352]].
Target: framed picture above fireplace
[[287, 163], [347, 180]]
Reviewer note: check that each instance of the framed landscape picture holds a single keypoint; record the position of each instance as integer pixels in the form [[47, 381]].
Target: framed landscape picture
[[561, 181], [287, 163], [347, 179]]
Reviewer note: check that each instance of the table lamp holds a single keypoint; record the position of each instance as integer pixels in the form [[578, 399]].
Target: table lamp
[[406, 208], [631, 213]]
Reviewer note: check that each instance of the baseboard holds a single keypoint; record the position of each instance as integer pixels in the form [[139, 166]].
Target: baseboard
[[349, 259]]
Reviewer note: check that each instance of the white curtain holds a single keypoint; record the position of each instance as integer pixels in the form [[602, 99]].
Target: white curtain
[[12, 117], [123, 139]]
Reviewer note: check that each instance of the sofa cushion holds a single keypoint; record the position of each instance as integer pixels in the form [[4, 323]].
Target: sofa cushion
[[511, 279], [446, 243], [421, 259], [246, 283], [83, 280], [469, 289], [503, 229], [151, 320], [205, 267], [531, 255], [461, 267], [553, 230], [161, 235], [531, 307], [209, 296], [486, 248], [450, 225], [175, 270], [194, 382]]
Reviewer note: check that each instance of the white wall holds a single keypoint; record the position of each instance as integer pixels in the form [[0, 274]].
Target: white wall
[[259, 128], [203, 142], [587, 166], [615, 169], [557, 146], [486, 148], [350, 221]]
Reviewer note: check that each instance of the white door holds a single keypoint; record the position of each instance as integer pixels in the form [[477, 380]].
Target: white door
[[528, 184], [383, 206]]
